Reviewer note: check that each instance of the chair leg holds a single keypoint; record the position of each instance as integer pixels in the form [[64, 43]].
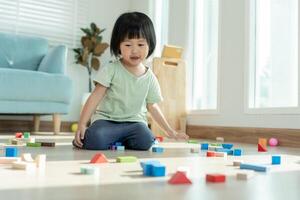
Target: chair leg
[[36, 123], [56, 123]]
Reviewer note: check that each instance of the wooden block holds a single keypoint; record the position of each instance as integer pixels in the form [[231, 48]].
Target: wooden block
[[40, 160], [219, 139], [23, 165], [215, 178], [210, 154], [179, 178], [30, 144], [9, 160], [259, 168], [26, 157], [237, 162], [193, 141], [48, 144], [99, 158], [195, 150], [221, 154], [126, 159], [11, 151], [89, 170], [157, 149], [245, 175], [262, 145], [170, 51], [184, 169], [276, 160], [19, 135]]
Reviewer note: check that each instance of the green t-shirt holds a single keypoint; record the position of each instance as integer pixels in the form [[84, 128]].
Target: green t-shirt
[[127, 95]]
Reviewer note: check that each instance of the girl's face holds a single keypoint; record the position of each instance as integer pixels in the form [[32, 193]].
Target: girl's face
[[134, 51]]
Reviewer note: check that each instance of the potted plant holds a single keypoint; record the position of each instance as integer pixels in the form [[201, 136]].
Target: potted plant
[[92, 48]]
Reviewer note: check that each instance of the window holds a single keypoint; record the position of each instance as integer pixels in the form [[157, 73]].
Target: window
[[273, 64], [205, 55], [58, 21], [159, 12]]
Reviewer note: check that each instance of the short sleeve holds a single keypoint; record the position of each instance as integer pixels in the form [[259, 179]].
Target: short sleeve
[[154, 93], [105, 75]]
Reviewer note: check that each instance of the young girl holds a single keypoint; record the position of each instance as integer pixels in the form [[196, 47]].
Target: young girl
[[125, 90]]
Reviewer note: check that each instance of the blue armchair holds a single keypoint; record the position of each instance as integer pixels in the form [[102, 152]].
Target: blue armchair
[[32, 78]]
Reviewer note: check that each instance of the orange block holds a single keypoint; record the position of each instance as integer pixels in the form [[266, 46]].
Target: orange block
[[99, 158], [179, 178], [210, 154], [262, 145], [159, 138], [215, 178]]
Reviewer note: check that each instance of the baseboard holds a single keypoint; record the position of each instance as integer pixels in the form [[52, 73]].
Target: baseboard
[[286, 137], [7, 126]]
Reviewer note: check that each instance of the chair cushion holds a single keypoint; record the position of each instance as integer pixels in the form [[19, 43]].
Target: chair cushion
[[24, 85]]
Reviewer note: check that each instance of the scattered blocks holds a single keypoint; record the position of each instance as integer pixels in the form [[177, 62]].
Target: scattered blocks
[[9, 160], [11, 152], [245, 175], [276, 160], [99, 158], [227, 146], [262, 145], [179, 178], [215, 178], [157, 149], [204, 146], [19, 135], [237, 152], [126, 159], [259, 168]]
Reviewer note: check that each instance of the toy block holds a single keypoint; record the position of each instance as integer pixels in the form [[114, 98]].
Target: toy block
[[259, 168], [32, 140], [276, 160], [19, 135], [237, 152], [48, 144], [179, 178], [31, 144], [120, 148], [184, 169], [157, 149], [227, 151], [262, 145], [204, 146], [237, 162], [89, 170], [215, 178], [147, 166], [159, 138], [158, 170], [126, 159], [9, 160], [40, 160], [245, 175], [149, 162], [99, 158], [221, 154], [210, 154], [16, 142], [227, 146], [170, 51], [219, 139], [195, 150], [193, 141], [215, 145], [210, 148], [26, 135], [23, 165], [11, 152], [26, 157]]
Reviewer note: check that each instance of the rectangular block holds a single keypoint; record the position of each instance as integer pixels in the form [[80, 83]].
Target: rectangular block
[[126, 159], [195, 150], [276, 160], [120, 148], [158, 170], [193, 141], [227, 146], [23, 165], [219, 139], [26, 135], [245, 175], [237, 162], [215, 178], [30, 144], [237, 152], [11, 151], [9, 160], [259, 168], [157, 149], [48, 144], [204, 146]]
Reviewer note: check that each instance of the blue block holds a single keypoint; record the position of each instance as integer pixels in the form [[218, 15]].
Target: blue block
[[276, 160], [149, 162], [228, 151], [204, 146], [158, 170], [148, 168], [118, 144], [237, 152], [157, 149], [227, 146], [259, 168], [11, 152]]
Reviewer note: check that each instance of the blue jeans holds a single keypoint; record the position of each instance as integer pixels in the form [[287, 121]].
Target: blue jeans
[[102, 133]]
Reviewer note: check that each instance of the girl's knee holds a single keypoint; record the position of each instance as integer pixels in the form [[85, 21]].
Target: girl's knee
[[95, 140]]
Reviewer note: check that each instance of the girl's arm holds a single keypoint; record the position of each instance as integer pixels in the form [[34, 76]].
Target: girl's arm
[[87, 111], [158, 116]]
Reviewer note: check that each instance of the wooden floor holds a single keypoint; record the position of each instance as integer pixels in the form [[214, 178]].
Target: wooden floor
[[61, 178]]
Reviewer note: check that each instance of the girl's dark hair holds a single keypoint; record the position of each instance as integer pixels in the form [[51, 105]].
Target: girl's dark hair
[[132, 25]]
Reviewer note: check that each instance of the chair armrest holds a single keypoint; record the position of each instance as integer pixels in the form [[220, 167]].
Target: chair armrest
[[54, 61]]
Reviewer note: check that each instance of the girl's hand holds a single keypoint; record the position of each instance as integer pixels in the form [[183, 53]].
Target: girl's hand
[[79, 136]]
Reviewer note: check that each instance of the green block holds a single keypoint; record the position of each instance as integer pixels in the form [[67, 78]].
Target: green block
[[193, 141], [215, 144], [26, 135], [30, 144], [126, 159]]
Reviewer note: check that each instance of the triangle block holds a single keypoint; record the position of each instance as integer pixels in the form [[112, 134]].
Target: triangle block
[[179, 178], [99, 158], [260, 148]]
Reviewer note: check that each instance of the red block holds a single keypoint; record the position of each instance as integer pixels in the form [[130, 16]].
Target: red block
[[19, 135], [260, 148], [99, 158], [159, 138], [215, 178], [179, 178], [210, 154]]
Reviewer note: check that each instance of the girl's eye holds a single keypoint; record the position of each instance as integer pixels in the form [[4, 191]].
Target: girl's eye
[[141, 45], [127, 45]]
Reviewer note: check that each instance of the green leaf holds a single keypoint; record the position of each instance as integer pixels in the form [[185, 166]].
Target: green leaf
[[87, 31]]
